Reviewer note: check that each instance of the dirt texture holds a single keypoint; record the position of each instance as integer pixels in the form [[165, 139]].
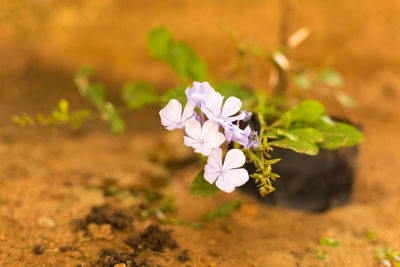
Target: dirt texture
[[82, 198]]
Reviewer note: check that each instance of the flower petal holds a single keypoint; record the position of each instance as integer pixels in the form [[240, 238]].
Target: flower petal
[[211, 174], [239, 117], [188, 141], [225, 184], [205, 149], [213, 105], [193, 128], [214, 139], [237, 177], [171, 114], [234, 159], [209, 127], [215, 159], [232, 106], [188, 112]]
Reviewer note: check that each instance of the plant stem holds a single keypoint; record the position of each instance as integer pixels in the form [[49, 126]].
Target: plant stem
[[288, 13]]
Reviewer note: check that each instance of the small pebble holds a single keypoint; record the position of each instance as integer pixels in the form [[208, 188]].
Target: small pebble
[[46, 222], [38, 249], [184, 256], [100, 231]]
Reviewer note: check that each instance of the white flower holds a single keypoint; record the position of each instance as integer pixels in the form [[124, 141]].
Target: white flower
[[227, 175], [203, 138], [172, 116], [199, 92], [214, 110]]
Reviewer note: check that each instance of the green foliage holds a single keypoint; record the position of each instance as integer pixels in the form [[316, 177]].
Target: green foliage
[[151, 195], [338, 134], [306, 127], [326, 242], [111, 115], [299, 146], [303, 82], [177, 93], [168, 204], [235, 89], [306, 111], [138, 95], [320, 254], [23, 120], [388, 256], [329, 242], [160, 42], [345, 100], [370, 235], [224, 210], [95, 93], [330, 77], [180, 56], [200, 187], [307, 134], [59, 116]]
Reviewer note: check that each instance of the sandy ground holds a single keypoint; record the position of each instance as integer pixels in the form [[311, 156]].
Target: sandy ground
[[49, 179]]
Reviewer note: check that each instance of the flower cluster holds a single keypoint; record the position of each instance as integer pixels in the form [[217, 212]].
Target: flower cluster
[[210, 125]]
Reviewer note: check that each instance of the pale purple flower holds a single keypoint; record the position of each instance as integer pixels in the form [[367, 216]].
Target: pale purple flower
[[199, 92], [234, 133], [229, 174], [253, 140], [215, 110], [203, 138], [247, 115], [172, 116]]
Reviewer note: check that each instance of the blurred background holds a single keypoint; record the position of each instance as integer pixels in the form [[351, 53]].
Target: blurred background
[[44, 42], [57, 177]]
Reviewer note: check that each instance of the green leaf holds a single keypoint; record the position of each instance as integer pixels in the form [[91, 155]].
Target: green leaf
[[96, 94], [308, 134], [235, 89], [168, 205], [93, 92], [306, 111], [63, 106], [198, 69], [117, 125], [302, 81], [328, 241], [179, 58], [338, 135], [179, 55], [177, 93], [299, 146], [200, 187], [159, 43], [224, 210], [138, 95], [331, 77], [345, 100]]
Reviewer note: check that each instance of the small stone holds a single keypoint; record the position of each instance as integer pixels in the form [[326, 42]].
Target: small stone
[[46, 222], [100, 231], [38, 249], [184, 256], [120, 265], [74, 254]]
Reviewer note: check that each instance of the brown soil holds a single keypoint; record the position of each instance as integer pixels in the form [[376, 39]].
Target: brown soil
[[81, 198]]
